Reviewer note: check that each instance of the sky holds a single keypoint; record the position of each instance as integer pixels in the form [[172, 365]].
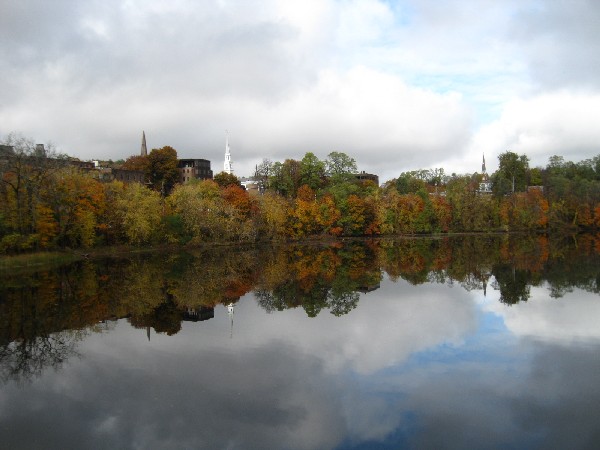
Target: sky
[[397, 85]]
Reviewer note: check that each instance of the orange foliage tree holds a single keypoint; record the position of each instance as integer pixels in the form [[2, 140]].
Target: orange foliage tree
[[311, 216], [239, 198], [77, 200], [524, 211]]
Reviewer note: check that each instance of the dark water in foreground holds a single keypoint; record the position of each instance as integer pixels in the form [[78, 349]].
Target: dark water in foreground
[[467, 342]]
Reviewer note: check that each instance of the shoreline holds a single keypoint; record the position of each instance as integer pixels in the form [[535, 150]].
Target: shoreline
[[65, 256]]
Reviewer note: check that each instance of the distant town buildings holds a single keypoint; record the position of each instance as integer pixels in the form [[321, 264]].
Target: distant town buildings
[[363, 176], [194, 169], [250, 184], [108, 174], [198, 314], [82, 165], [189, 168]]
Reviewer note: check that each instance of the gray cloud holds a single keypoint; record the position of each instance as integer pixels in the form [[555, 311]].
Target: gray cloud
[[562, 398], [210, 402], [562, 43], [396, 86]]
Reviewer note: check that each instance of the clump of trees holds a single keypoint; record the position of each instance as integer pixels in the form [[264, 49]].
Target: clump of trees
[[159, 167], [46, 202]]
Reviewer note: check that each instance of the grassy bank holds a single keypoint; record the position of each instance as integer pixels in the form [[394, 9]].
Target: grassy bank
[[42, 260], [16, 263]]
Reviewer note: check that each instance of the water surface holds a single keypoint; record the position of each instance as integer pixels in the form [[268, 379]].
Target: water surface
[[466, 342]]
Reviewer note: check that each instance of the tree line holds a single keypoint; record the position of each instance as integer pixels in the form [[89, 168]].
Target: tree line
[[48, 203]]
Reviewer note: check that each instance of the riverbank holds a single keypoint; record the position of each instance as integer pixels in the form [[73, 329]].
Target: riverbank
[[27, 261], [9, 263]]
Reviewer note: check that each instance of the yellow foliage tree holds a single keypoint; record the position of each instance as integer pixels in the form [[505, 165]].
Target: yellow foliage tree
[[76, 200], [139, 213], [273, 214]]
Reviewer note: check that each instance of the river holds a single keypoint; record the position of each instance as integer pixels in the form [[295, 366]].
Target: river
[[454, 342]]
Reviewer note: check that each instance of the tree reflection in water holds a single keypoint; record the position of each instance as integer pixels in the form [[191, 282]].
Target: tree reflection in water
[[24, 360], [45, 313]]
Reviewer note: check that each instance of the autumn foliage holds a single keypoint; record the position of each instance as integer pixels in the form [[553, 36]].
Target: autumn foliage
[[47, 203]]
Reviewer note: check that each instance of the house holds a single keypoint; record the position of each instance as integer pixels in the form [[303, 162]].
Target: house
[[363, 176], [251, 185], [108, 174], [190, 169]]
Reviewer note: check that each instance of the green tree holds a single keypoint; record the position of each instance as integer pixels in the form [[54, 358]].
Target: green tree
[[409, 183], [535, 176], [511, 175], [262, 173], [513, 284], [340, 167], [224, 179], [470, 210], [573, 192], [312, 171], [162, 169], [285, 178]]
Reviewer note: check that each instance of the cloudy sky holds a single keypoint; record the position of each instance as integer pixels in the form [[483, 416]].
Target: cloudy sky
[[398, 85]]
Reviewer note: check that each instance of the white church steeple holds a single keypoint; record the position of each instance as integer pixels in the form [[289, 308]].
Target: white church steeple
[[485, 185], [230, 314], [227, 166]]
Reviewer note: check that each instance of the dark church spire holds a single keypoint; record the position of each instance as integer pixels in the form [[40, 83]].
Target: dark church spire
[[144, 151]]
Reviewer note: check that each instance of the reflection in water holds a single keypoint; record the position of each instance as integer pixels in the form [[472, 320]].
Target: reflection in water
[[456, 342], [25, 359]]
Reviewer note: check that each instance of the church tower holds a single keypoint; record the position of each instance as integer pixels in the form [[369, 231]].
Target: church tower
[[144, 151], [227, 166], [485, 186], [230, 314]]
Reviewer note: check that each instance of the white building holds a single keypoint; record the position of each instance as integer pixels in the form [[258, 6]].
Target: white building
[[227, 166], [485, 186]]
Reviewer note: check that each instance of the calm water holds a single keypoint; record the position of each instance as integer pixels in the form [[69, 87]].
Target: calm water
[[470, 342]]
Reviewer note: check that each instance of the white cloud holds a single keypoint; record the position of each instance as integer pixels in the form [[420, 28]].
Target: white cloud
[[560, 123], [373, 117], [571, 318], [388, 326], [397, 85], [363, 22]]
